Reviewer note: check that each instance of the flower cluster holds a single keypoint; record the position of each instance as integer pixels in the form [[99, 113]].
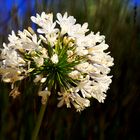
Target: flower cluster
[[62, 55]]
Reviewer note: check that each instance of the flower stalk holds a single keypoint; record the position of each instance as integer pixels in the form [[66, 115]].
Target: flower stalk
[[39, 121]]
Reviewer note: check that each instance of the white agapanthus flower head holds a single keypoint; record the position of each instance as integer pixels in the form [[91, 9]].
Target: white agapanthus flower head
[[60, 55]]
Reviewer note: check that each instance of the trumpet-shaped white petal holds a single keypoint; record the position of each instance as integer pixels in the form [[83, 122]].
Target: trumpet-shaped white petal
[[66, 22], [78, 30]]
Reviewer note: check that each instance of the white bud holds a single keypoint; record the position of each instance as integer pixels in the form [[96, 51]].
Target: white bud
[[43, 80], [54, 58]]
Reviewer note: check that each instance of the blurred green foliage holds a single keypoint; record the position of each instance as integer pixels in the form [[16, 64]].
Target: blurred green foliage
[[118, 117]]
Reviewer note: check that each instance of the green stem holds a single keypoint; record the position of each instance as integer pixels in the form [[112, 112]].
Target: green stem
[[39, 121]]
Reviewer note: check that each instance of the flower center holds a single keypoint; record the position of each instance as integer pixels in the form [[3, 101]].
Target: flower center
[[56, 68]]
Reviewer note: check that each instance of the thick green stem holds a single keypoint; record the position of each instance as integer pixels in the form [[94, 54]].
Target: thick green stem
[[39, 121]]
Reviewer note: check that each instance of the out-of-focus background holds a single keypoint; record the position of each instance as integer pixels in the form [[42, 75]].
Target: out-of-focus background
[[119, 116]]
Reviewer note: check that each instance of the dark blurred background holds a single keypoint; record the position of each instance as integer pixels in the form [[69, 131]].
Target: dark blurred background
[[119, 116]]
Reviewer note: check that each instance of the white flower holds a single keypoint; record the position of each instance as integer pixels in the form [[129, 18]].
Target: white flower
[[10, 75], [34, 40], [97, 39], [4, 51], [101, 58], [14, 93], [48, 29], [51, 39], [71, 97], [85, 67], [79, 102], [64, 99], [11, 57], [78, 30], [29, 43], [39, 61], [66, 23], [45, 21], [75, 74], [63, 55], [44, 53], [44, 95], [38, 78], [103, 81], [13, 39], [42, 19], [86, 87]]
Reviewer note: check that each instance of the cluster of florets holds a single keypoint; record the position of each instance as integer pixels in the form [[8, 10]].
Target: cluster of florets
[[62, 55]]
